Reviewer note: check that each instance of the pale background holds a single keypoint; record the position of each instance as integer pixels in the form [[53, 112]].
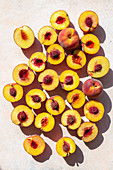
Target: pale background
[[98, 154]]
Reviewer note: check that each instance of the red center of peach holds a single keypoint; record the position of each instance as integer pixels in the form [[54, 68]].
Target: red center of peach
[[76, 59], [47, 79], [98, 67], [34, 144], [60, 20], [71, 119], [55, 54], [23, 74], [22, 116], [68, 80], [12, 92], [66, 147], [75, 97], [36, 98], [37, 62], [47, 36], [88, 22], [94, 110], [44, 121], [90, 44], [55, 105], [24, 35], [87, 132]]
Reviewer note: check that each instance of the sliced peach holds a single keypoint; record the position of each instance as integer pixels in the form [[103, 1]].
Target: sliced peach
[[76, 60], [34, 145], [88, 131], [34, 98], [37, 61], [13, 92], [71, 119], [55, 105], [23, 75], [22, 115], [44, 121], [49, 79], [90, 44], [76, 98], [47, 35], [94, 110], [65, 146], [24, 36], [98, 66], [88, 21], [69, 80], [55, 54], [59, 20]]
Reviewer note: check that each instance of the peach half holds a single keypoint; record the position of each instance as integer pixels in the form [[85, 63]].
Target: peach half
[[55, 54], [55, 105], [98, 66], [49, 79], [47, 35], [76, 98], [59, 20], [22, 115], [37, 61], [65, 146], [76, 60], [71, 119], [68, 38], [94, 110], [24, 37], [13, 92], [44, 121], [35, 98], [34, 145], [88, 131], [69, 80], [88, 21], [23, 75], [90, 44]]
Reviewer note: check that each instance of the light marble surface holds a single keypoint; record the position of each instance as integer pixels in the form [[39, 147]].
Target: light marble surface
[[97, 155]]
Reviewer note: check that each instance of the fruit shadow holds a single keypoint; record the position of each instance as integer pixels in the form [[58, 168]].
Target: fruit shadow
[[100, 33]]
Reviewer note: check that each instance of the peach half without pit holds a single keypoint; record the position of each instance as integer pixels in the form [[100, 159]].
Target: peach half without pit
[[47, 35], [13, 92], [94, 110], [44, 121], [65, 146], [49, 79], [22, 115], [76, 60], [37, 61], [59, 20], [34, 145], [23, 75], [69, 80], [88, 21], [55, 105], [24, 37], [90, 44], [76, 98], [98, 66], [35, 98], [55, 54]]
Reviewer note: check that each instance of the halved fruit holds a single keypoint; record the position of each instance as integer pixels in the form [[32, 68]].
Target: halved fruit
[[37, 61], [22, 115], [34, 98], [13, 92], [23, 75], [55, 105], [44, 121], [34, 145], [65, 146]]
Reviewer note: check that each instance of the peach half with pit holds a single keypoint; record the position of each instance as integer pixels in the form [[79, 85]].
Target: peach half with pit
[[55, 105], [34, 145], [47, 35], [76, 60], [44, 121], [23, 75], [55, 54], [94, 110], [22, 115], [69, 80], [88, 131], [13, 92], [35, 98], [59, 20], [88, 21], [24, 36], [49, 79], [37, 61], [98, 66], [65, 146]]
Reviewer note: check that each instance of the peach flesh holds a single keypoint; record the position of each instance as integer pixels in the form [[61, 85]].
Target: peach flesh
[[37, 62], [94, 110], [23, 74], [47, 79], [89, 22], [47, 36], [68, 80], [87, 132], [71, 120], [44, 122], [24, 35], [36, 98], [22, 116], [12, 92], [97, 67], [90, 44], [60, 20], [55, 105], [66, 147], [55, 54], [34, 144], [76, 59]]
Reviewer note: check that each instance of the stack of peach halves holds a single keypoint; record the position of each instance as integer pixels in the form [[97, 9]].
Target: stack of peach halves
[[70, 43]]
